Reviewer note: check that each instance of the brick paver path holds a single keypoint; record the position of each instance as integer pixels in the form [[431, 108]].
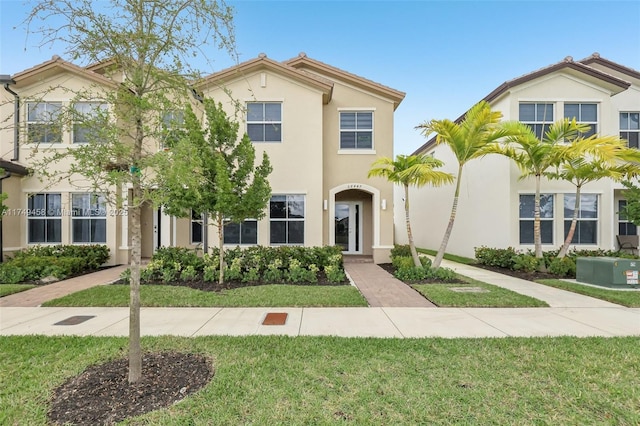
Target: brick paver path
[[38, 295], [381, 289]]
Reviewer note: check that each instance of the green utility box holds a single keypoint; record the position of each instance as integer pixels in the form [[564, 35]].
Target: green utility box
[[612, 272]]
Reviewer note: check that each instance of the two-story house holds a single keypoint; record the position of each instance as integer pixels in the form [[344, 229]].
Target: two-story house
[[322, 127], [495, 207]]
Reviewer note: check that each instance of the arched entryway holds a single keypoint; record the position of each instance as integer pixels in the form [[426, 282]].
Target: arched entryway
[[354, 218]]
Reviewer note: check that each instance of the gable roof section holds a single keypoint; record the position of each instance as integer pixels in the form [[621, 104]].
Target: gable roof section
[[595, 58], [263, 63], [57, 65], [614, 84], [302, 61]]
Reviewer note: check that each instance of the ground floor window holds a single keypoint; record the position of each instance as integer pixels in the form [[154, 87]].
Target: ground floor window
[[527, 207], [197, 220], [587, 226], [44, 218], [89, 218], [286, 219], [624, 226], [241, 233]]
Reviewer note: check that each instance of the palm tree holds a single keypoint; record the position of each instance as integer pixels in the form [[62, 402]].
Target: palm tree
[[412, 170], [468, 140], [607, 158], [535, 156]]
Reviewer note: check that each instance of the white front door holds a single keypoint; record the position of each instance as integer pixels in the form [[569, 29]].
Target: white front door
[[348, 226], [157, 229]]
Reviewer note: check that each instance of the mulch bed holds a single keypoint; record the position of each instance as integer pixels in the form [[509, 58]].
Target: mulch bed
[[390, 269], [529, 276], [102, 395]]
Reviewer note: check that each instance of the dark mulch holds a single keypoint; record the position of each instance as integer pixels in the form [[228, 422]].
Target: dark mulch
[[102, 395], [200, 284], [529, 276]]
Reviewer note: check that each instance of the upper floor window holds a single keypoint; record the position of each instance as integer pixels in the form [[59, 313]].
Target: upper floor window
[[585, 114], [264, 121], [630, 128], [89, 118], [41, 122], [527, 219], [44, 214], [197, 223], [538, 116], [89, 218], [172, 125], [356, 130]]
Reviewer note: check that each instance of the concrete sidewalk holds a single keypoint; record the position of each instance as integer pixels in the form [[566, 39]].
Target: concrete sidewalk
[[345, 322]]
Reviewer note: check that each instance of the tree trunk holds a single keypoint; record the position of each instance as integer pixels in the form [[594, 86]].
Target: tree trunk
[[572, 229], [135, 352], [412, 246], [452, 218], [537, 229], [220, 220]]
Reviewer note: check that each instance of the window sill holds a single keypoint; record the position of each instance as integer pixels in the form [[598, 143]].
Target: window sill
[[356, 152]]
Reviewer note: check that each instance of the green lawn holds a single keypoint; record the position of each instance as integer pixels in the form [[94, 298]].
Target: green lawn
[[451, 257], [7, 289], [324, 380], [258, 296], [630, 299], [493, 296]]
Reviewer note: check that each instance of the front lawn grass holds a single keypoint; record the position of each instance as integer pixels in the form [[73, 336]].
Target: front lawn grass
[[329, 380], [493, 296], [257, 296], [630, 299], [7, 289], [451, 257]]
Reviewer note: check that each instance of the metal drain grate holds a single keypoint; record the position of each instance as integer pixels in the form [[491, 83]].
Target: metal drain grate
[[75, 320], [275, 318]]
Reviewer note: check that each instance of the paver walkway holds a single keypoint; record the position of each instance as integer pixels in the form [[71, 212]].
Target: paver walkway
[[381, 289], [38, 295]]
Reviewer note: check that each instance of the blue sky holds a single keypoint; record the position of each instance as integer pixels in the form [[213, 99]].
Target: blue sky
[[446, 55]]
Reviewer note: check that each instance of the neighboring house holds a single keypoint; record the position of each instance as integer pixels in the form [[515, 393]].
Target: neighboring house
[[496, 208], [322, 128]]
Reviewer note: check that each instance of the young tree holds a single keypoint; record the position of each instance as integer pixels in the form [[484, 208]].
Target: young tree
[[144, 47], [411, 170], [209, 170], [535, 156], [586, 160], [468, 140]]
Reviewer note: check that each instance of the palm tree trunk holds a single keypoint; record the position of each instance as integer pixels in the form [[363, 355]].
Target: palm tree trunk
[[537, 230], [452, 218], [572, 229], [412, 246]]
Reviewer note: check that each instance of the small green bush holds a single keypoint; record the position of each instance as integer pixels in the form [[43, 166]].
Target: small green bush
[[501, 258], [335, 274], [525, 263], [401, 250], [565, 267], [11, 274], [413, 273], [442, 274], [400, 262], [251, 275]]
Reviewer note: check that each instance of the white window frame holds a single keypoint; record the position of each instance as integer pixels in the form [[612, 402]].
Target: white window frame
[[34, 214], [35, 120], [567, 220], [288, 220], [623, 220], [542, 219], [629, 129], [579, 117], [356, 150], [90, 115], [172, 120], [97, 212], [264, 122], [240, 225], [195, 221], [543, 121]]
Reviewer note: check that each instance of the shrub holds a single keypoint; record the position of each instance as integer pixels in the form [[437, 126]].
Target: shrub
[[525, 263], [565, 267], [299, 274], [211, 273], [335, 274], [189, 273], [442, 274], [273, 274], [401, 250], [425, 261], [413, 273], [251, 275], [11, 274], [502, 258], [401, 262], [180, 255]]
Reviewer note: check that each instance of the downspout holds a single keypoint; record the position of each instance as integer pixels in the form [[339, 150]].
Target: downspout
[[16, 121], [6, 175]]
